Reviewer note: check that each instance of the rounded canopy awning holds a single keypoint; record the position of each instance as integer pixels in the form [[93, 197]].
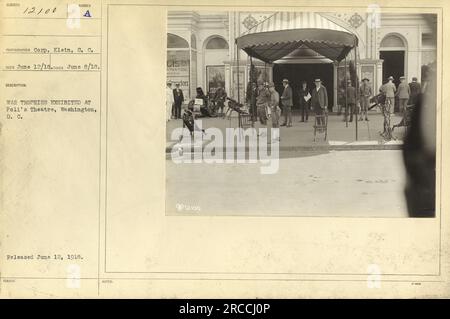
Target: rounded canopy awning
[[284, 32]]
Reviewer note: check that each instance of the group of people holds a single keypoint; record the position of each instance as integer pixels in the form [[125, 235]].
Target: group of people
[[407, 94], [211, 103], [352, 97], [269, 103]]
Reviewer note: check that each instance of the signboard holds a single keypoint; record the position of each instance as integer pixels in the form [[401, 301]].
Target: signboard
[[178, 69], [367, 71], [234, 88]]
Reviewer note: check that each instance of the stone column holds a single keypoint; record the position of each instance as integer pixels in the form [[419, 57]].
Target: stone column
[[335, 86], [379, 75]]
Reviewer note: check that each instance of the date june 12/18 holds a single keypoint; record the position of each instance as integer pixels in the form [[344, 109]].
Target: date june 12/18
[[45, 257]]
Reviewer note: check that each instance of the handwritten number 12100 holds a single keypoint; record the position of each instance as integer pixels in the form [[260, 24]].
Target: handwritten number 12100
[[37, 11]]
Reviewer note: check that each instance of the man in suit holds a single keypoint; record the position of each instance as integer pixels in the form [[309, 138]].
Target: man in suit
[[403, 93], [319, 100], [389, 89], [286, 100], [304, 101], [351, 101], [415, 89], [178, 100]]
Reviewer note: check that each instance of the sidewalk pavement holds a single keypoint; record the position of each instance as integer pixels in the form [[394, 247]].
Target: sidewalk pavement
[[301, 135]]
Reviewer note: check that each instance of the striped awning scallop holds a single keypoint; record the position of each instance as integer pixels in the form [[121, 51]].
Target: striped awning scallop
[[284, 32]]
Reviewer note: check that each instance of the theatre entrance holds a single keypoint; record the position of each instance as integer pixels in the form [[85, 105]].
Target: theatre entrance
[[296, 73]]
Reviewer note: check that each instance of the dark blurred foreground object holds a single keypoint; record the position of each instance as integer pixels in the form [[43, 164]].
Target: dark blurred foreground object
[[419, 152]]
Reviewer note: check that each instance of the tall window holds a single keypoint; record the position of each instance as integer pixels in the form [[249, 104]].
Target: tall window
[[216, 53], [178, 62], [217, 43]]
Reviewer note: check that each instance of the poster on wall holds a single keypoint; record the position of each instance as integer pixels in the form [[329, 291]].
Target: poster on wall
[[367, 72], [178, 69], [241, 81], [215, 76], [262, 73]]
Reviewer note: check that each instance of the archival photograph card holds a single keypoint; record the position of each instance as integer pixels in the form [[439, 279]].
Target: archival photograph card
[[213, 149]]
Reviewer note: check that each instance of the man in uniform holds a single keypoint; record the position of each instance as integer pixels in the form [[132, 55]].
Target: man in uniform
[[275, 110], [365, 92], [262, 101], [220, 96]]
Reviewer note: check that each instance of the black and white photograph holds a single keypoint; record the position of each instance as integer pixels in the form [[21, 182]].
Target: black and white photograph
[[301, 113], [203, 149]]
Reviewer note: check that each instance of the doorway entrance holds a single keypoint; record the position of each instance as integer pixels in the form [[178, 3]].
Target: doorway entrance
[[296, 73], [393, 64]]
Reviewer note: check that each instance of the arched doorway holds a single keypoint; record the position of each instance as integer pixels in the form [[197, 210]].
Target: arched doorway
[[216, 51], [178, 62], [393, 54]]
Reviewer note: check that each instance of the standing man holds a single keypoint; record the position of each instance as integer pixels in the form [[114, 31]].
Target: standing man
[[178, 100], [252, 93], [403, 93], [169, 101], [319, 100], [415, 89], [365, 92], [351, 101], [262, 101], [304, 101], [275, 110], [219, 96], [389, 89], [286, 100]]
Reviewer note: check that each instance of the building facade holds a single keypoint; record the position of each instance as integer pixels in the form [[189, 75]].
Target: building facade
[[201, 50]]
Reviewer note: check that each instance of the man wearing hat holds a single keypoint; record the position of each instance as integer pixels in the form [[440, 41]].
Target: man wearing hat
[[262, 101], [178, 100], [389, 89], [403, 93], [365, 92], [351, 101], [415, 89], [169, 100], [319, 99], [220, 96], [286, 100], [304, 101], [275, 110]]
